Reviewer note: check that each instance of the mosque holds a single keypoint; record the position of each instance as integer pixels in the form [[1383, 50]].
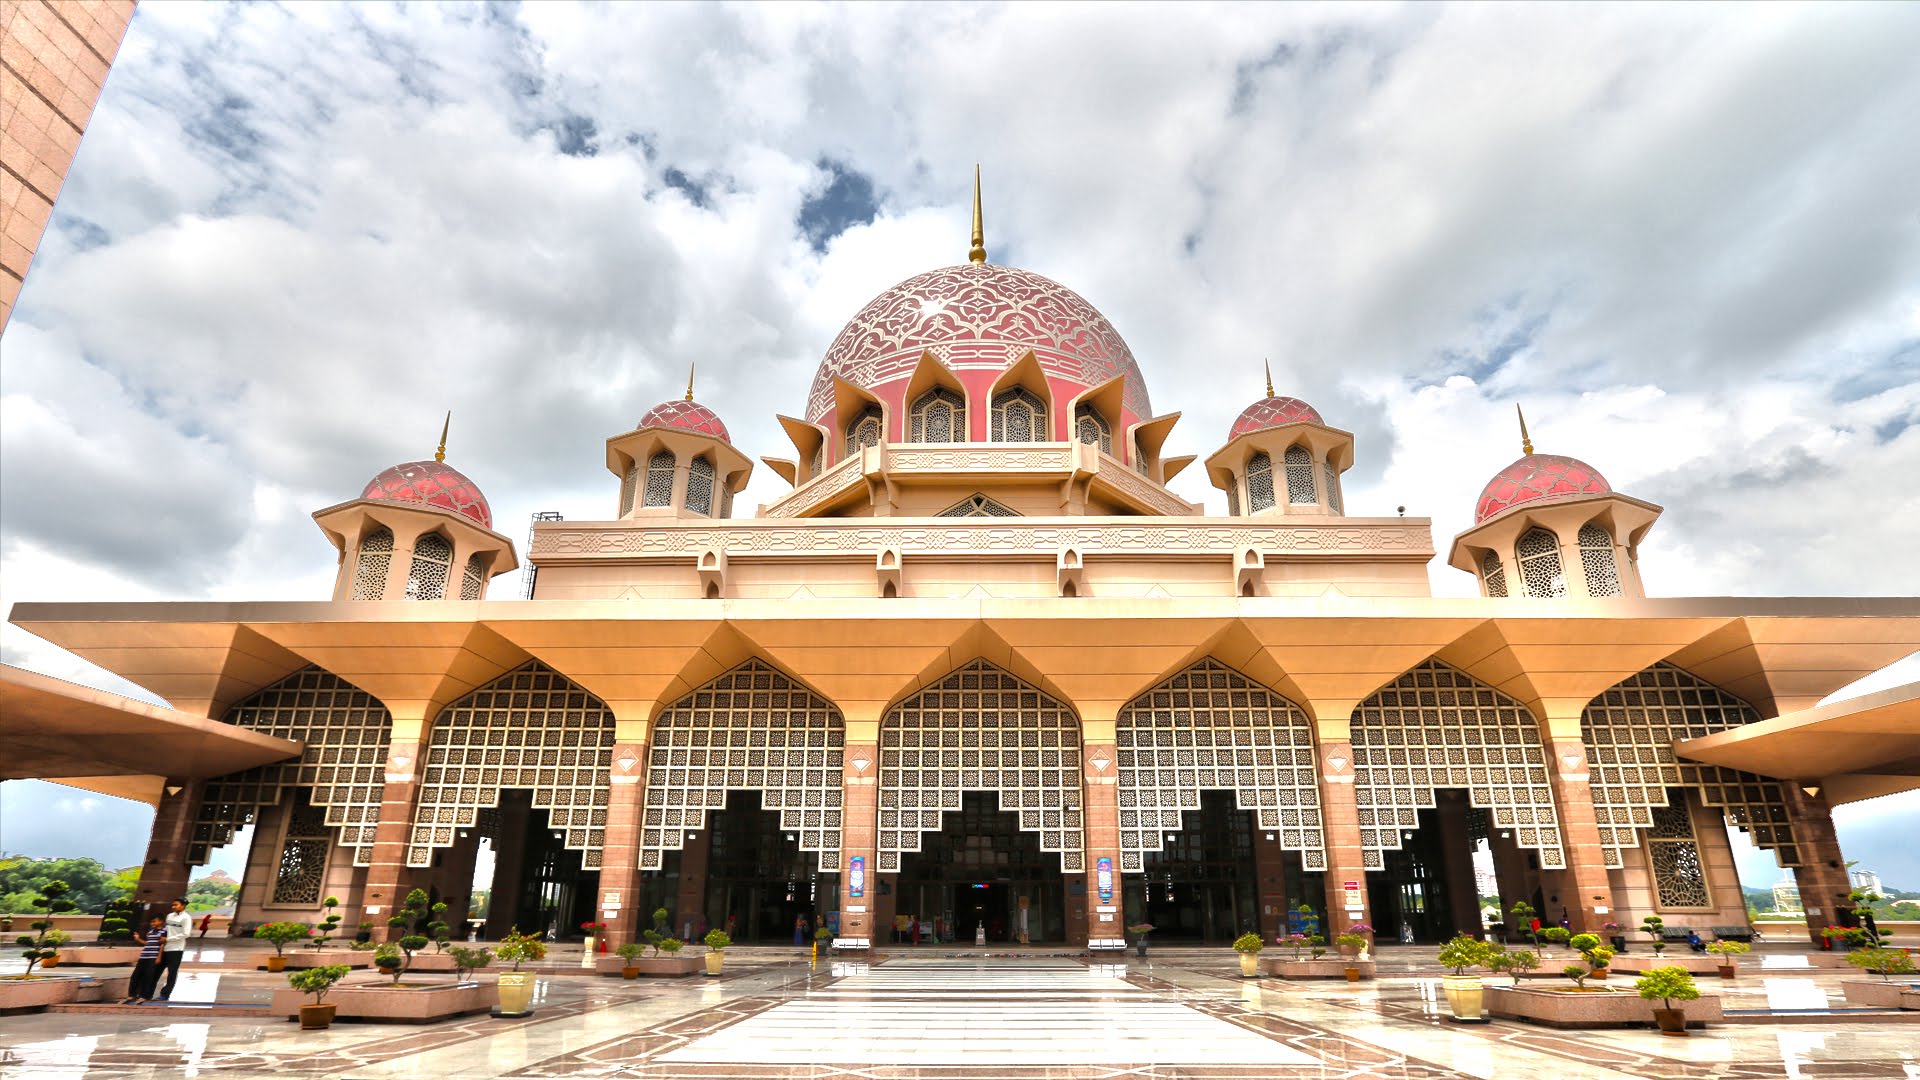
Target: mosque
[[981, 668]]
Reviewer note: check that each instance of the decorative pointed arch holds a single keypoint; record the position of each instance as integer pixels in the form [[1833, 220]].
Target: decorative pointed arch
[[371, 565], [977, 505], [532, 729], [1212, 727], [1438, 727], [980, 729], [345, 730], [1629, 732], [751, 729]]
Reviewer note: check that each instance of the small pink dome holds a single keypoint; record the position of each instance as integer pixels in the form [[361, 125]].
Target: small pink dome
[[431, 483], [1273, 412], [1538, 478], [686, 415]]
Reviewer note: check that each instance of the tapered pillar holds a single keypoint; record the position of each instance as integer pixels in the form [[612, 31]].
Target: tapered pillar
[[387, 876], [620, 850], [164, 875], [859, 821], [1822, 875], [1451, 811], [1584, 888], [1096, 919], [1340, 821]]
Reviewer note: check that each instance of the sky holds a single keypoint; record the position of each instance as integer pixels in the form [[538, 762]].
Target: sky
[[1686, 237]]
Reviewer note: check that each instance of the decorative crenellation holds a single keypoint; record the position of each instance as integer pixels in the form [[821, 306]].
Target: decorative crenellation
[[845, 474], [1211, 727]]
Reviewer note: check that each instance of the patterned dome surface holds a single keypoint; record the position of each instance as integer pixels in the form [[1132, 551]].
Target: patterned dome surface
[[1538, 478], [1272, 412], [977, 315], [431, 483], [687, 415]]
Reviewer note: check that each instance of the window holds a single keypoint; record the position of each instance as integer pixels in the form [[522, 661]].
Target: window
[[376, 556], [1300, 477], [1259, 482], [864, 431], [1679, 877], [303, 855], [1539, 555], [473, 580], [628, 488], [432, 565], [1493, 574], [1596, 557], [700, 486], [1018, 416], [1332, 477], [977, 505], [1092, 428], [659, 489], [940, 416]]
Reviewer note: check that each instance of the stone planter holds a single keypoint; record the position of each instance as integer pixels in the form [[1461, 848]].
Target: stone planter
[[1327, 967], [103, 987], [1249, 965], [103, 956], [33, 995], [715, 959], [313, 958], [1644, 962], [1598, 1008], [434, 962], [394, 1004], [1466, 996], [1881, 993], [516, 993], [317, 1017], [653, 967]]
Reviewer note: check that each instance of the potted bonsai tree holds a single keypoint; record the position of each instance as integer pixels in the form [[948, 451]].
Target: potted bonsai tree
[[386, 957], [1465, 993], [1140, 932], [1248, 945], [716, 942], [516, 986], [324, 932], [1522, 913], [1596, 955], [1655, 927], [1354, 946], [1366, 937], [365, 933], [467, 961], [630, 952], [412, 910], [1555, 935], [280, 935], [116, 925], [1668, 985], [44, 948], [438, 930], [1512, 962], [1726, 951], [317, 981]]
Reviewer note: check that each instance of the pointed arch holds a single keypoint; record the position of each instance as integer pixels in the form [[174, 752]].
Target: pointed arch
[[700, 485], [1596, 558], [1538, 553], [659, 487], [1438, 727], [938, 416], [531, 729], [751, 729], [980, 729], [1259, 482], [1299, 463], [1090, 427], [1212, 727], [978, 505], [345, 730], [473, 580], [1493, 573], [432, 567], [370, 569], [865, 429]]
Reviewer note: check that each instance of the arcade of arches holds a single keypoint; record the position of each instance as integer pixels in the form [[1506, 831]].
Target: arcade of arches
[[988, 816]]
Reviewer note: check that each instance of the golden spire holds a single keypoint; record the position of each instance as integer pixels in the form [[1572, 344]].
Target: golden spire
[[1269, 367], [441, 454], [1526, 444], [689, 382], [978, 253]]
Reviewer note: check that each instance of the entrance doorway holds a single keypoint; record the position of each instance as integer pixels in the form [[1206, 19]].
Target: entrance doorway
[[1426, 892], [759, 882], [539, 885], [1200, 885], [981, 871]]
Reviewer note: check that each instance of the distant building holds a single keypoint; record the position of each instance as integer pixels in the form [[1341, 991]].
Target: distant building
[[1786, 896], [1867, 881], [1485, 881]]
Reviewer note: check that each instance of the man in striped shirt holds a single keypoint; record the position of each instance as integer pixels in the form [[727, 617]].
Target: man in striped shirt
[[146, 973]]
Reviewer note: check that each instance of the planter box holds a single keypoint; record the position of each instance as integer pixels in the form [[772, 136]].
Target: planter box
[[652, 967], [313, 958], [33, 995], [1610, 1008], [1824, 959], [101, 956], [110, 989], [431, 961], [1641, 963], [1883, 994], [399, 1005], [1328, 967]]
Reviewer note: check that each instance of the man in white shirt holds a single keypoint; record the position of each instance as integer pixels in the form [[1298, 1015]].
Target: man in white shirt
[[179, 929]]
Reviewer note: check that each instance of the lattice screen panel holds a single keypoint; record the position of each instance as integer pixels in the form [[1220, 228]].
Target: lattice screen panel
[[1493, 574], [977, 505], [1300, 477], [1018, 416], [1091, 428], [432, 563], [473, 580], [302, 868], [700, 486], [940, 416], [1629, 732], [658, 490], [1212, 727], [1596, 557], [1679, 877], [1539, 555], [1260, 482], [752, 729], [341, 771], [980, 729], [1436, 727], [533, 729], [370, 569]]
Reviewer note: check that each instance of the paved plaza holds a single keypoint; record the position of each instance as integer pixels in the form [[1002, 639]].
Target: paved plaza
[[944, 1012]]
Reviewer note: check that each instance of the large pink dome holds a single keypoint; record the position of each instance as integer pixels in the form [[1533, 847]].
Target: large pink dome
[[431, 483], [977, 316], [686, 415], [1538, 478], [1272, 412]]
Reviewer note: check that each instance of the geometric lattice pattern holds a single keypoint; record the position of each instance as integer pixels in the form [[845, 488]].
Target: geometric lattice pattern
[[1493, 574], [1300, 477], [1629, 732], [1273, 412], [1538, 553], [864, 431], [1212, 727], [940, 416], [303, 856], [687, 415], [1596, 558], [1437, 727], [1332, 477], [977, 505], [431, 483], [473, 580], [752, 729], [1679, 879], [1092, 428], [659, 485], [376, 557], [1259, 482], [700, 486], [1018, 416], [432, 564], [531, 729], [341, 773], [1536, 478], [980, 729]]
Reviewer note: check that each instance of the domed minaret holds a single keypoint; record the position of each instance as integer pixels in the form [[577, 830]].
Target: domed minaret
[[1281, 458], [678, 461], [1551, 526], [419, 531]]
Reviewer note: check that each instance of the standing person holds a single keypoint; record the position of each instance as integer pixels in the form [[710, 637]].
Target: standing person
[[146, 973], [179, 929], [206, 924], [799, 929]]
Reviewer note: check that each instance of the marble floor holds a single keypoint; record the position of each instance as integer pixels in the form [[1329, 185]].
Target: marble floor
[[1182, 1014]]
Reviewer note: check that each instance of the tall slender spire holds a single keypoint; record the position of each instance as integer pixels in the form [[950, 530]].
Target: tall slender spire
[[441, 454], [689, 382], [1265, 364], [1526, 444], [978, 253]]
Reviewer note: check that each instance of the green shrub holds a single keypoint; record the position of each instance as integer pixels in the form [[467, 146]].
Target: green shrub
[[670, 945], [281, 934], [1668, 985], [1888, 962], [1728, 948], [1465, 951], [317, 980], [521, 948], [52, 900], [717, 940], [1248, 943], [630, 951], [1350, 940], [412, 910], [324, 932], [1558, 935], [470, 960], [823, 934]]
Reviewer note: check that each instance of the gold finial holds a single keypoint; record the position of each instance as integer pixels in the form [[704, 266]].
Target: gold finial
[[1269, 367], [978, 253], [689, 382], [441, 454], [1526, 444]]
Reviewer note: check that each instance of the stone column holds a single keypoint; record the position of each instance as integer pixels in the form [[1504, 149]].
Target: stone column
[[509, 865], [1456, 847], [1822, 875], [1095, 918], [164, 874], [1583, 886], [388, 878], [620, 850], [1270, 884], [859, 821], [1340, 822]]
